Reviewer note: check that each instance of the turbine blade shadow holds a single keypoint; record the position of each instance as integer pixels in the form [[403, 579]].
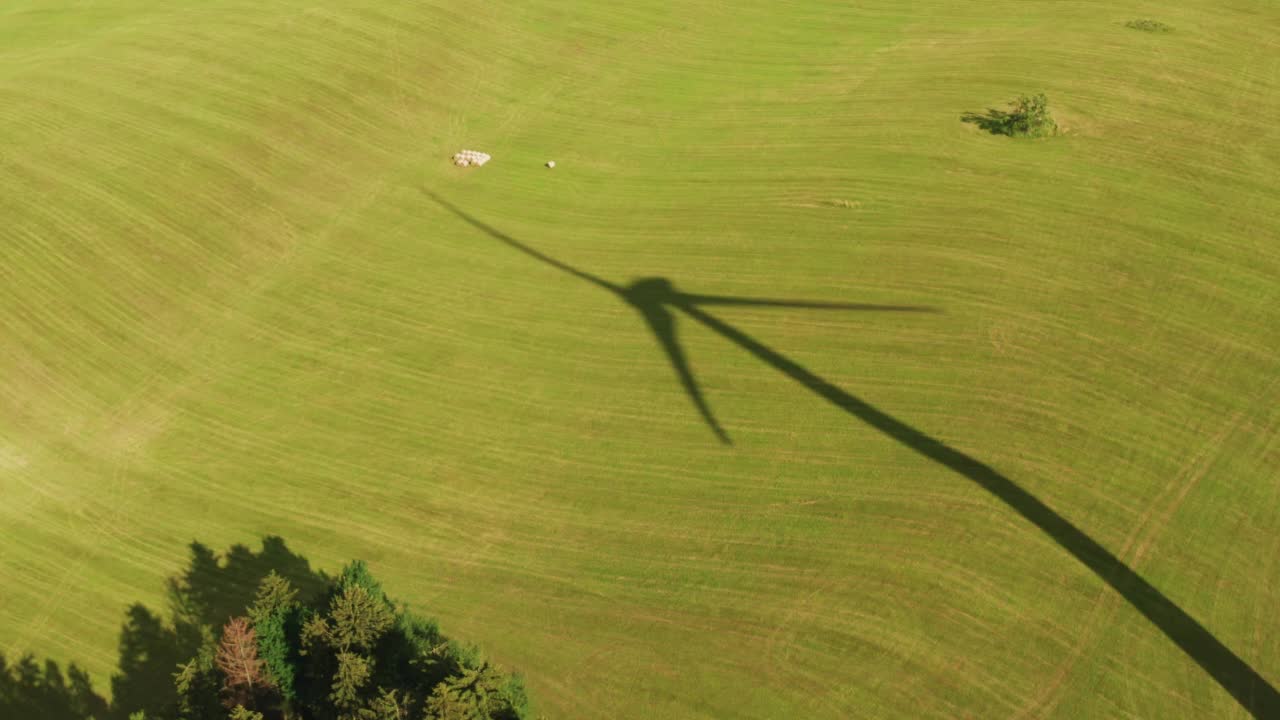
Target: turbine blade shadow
[[663, 324], [693, 299], [512, 242], [1229, 670]]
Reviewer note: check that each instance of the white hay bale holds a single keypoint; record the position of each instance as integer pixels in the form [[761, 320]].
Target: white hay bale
[[467, 158], [551, 163]]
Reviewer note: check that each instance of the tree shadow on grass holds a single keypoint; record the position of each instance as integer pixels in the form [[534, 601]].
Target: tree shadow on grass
[[202, 598], [29, 690], [658, 302], [996, 122], [212, 589]]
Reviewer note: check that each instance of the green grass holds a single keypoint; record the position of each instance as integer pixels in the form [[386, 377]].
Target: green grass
[[230, 309]]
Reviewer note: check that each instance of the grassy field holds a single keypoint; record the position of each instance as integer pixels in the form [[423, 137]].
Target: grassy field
[[235, 301]]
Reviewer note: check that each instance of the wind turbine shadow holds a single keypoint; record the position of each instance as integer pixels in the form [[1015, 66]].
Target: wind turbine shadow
[[656, 299]]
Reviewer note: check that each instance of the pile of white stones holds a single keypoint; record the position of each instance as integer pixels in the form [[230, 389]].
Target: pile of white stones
[[470, 157]]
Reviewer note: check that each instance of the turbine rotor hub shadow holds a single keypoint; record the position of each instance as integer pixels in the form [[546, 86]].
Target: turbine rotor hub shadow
[[649, 291]]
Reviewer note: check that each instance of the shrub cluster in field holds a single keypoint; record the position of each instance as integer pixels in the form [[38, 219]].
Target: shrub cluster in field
[[350, 655], [1153, 26], [1028, 116]]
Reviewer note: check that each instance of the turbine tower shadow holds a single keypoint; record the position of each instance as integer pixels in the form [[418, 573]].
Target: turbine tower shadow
[[657, 298]]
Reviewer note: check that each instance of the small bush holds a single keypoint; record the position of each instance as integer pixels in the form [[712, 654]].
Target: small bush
[[1028, 116], [1151, 26]]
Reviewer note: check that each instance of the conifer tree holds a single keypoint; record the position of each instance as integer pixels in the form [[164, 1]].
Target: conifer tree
[[238, 660]]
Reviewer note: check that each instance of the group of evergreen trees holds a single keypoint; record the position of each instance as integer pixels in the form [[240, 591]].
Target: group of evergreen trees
[[350, 654], [263, 636]]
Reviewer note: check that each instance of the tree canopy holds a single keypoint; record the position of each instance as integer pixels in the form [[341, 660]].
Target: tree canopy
[[351, 654], [259, 636]]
